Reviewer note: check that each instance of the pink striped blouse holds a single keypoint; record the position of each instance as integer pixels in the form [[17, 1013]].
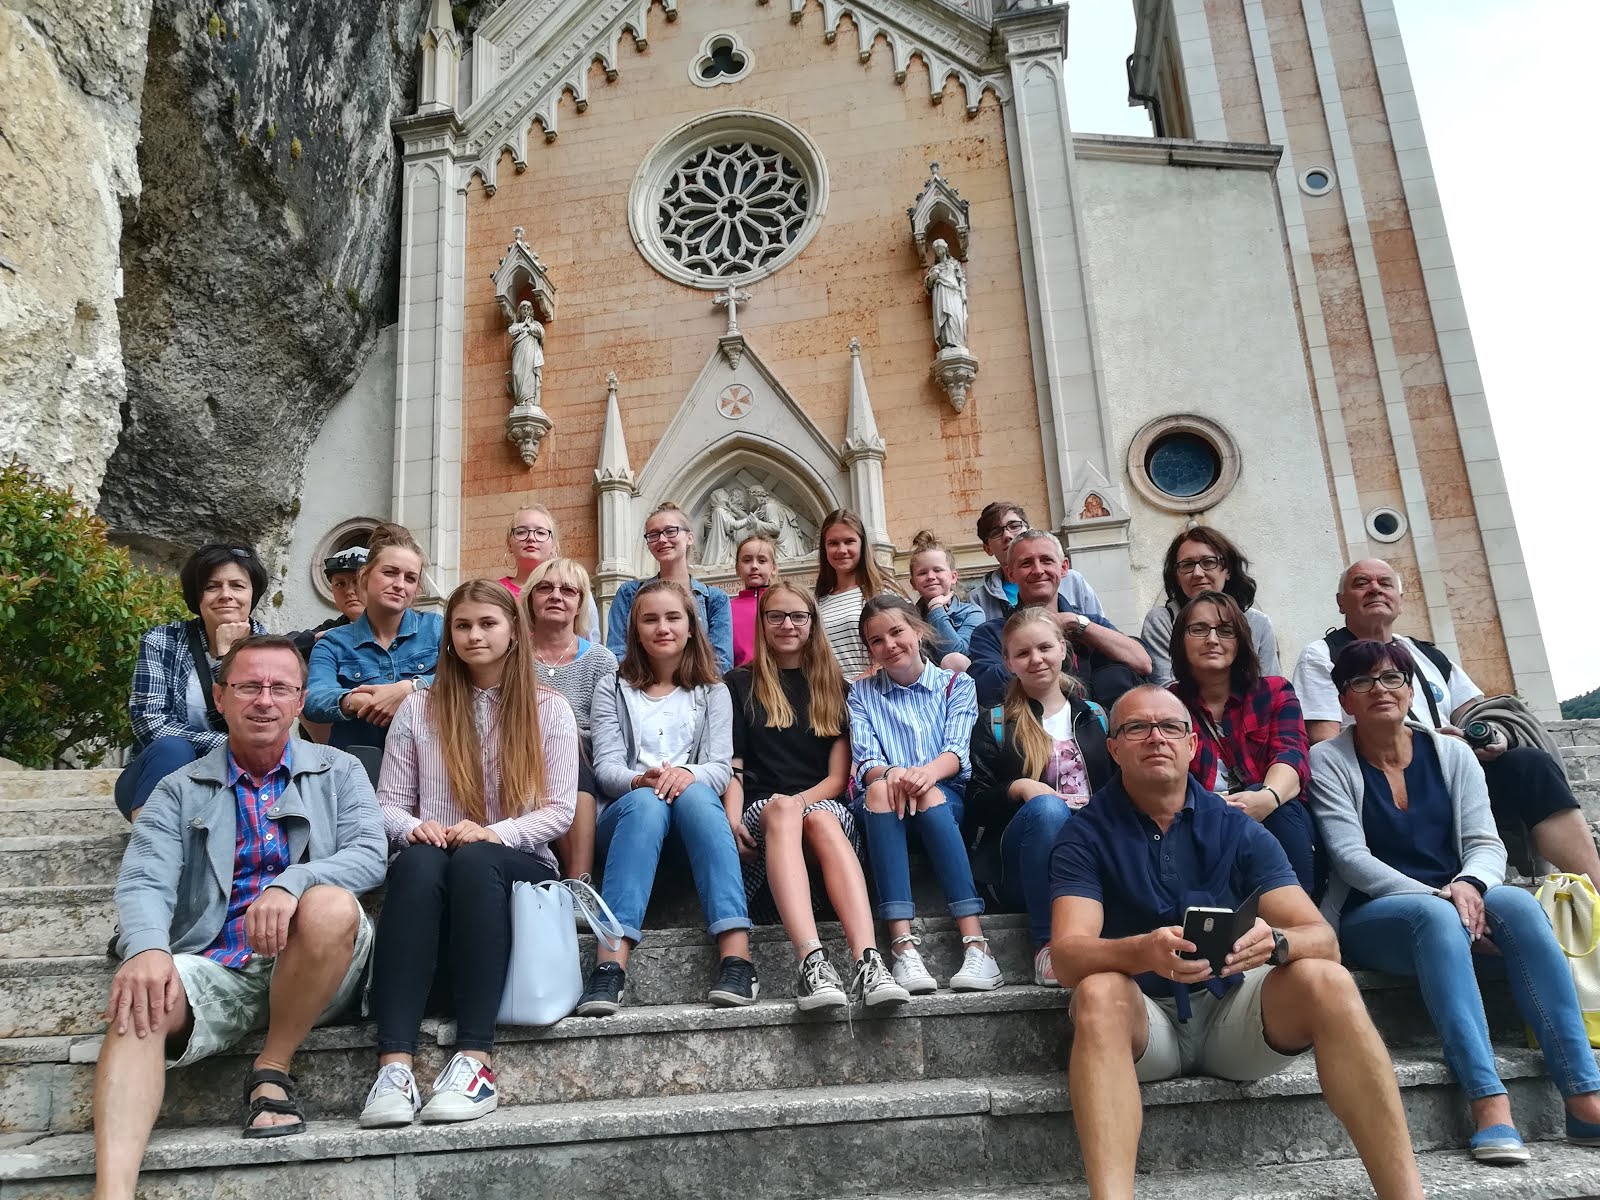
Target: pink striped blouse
[[415, 786]]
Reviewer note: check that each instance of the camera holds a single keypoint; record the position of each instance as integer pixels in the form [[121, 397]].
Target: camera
[[1478, 734]]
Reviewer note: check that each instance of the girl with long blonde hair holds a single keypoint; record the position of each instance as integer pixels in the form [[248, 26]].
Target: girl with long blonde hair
[[1035, 758], [847, 577], [669, 536], [786, 801], [478, 780]]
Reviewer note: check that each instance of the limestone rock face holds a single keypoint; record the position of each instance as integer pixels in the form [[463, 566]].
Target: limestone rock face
[[71, 72], [261, 258]]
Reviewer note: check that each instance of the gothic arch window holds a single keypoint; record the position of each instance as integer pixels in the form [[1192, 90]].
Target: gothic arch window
[[730, 197]]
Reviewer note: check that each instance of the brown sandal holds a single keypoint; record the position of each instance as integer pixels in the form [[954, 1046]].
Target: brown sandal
[[290, 1106]]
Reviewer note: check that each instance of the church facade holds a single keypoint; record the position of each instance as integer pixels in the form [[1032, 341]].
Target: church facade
[[766, 258]]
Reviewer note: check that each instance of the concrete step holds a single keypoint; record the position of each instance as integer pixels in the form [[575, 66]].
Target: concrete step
[[57, 785], [48, 922], [991, 1133], [70, 816], [676, 1050], [60, 861]]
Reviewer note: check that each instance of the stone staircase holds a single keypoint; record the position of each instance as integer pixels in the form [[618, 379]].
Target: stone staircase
[[962, 1095]]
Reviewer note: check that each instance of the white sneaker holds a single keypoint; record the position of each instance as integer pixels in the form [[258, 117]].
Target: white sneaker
[[979, 972], [908, 969], [819, 985], [464, 1091], [874, 984], [393, 1099], [1044, 969]]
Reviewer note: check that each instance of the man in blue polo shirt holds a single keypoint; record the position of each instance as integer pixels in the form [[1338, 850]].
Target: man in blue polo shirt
[[1149, 845]]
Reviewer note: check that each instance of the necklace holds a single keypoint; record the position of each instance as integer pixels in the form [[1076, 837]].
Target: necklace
[[550, 667]]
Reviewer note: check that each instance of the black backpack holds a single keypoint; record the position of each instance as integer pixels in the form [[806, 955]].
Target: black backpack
[[1338, 639]]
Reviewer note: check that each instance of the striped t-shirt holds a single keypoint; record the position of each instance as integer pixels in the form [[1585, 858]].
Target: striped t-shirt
[[841, 615]]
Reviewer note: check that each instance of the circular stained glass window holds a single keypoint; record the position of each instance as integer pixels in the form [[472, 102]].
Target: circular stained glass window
[[1183, 464], [730, 210]]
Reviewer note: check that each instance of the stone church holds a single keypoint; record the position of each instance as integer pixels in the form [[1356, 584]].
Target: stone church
[[775, 257]]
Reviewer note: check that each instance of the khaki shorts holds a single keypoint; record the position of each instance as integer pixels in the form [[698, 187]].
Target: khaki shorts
[[230, 1003], [1222, 1037]]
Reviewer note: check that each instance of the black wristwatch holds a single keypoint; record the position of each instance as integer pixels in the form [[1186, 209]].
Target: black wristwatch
[[1280, 949]]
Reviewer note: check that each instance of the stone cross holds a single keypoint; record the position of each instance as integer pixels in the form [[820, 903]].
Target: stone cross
[[730, 299]]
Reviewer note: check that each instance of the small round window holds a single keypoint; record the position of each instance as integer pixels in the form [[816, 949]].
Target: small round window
[[1316, 181], [1183, 463], [1386, 524]]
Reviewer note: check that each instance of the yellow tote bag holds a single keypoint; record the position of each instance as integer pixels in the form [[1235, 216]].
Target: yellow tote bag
[[1573, 906]]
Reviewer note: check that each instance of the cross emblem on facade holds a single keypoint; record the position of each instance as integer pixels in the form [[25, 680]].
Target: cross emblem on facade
[[730, 298], [735, 401]]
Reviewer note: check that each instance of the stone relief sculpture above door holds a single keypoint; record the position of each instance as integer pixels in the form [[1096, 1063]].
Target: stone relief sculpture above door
[[748, 501]]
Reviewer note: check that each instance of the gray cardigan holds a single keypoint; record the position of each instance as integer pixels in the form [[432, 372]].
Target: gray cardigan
[[177, 873], [1337, 793], [616, 748]]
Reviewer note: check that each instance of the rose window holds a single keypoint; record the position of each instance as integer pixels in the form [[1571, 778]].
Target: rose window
[[732, 209]]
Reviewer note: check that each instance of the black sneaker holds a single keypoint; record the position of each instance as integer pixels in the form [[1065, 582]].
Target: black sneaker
[[602, 996], [736, 983]]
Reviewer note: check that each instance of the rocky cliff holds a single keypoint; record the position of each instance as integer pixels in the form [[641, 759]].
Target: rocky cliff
[[261, 257]]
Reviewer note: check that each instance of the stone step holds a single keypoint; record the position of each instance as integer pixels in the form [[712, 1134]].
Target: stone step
[[71, 816], [47, 922], [991, 1133], [59, 861], [58, 785], [1557, 1172]]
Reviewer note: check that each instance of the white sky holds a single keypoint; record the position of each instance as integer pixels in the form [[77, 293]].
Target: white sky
[[1507, 114]]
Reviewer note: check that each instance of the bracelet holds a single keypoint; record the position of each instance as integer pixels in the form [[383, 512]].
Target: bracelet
[[1267, 787]]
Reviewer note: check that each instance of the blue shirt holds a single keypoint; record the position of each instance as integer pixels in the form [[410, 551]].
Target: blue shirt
[[716, 620], [905, 726], [1211, 856], [350, 657], [1421, 841], [989, 670], [261, 851]]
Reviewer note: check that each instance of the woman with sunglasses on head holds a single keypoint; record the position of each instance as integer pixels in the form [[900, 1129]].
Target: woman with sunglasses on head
[[533, 541], [1417, 887], [1251, 746], [174, 714], [669, 538], [847, 577], [786, 801], [577, 668], [663, 750], [478, 781], [1203, 560], [363, 671]]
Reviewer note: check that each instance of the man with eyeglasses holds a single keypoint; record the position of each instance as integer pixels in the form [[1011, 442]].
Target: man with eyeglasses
[[1149, 845], [998, 525], [1527, 786], [238, 911]]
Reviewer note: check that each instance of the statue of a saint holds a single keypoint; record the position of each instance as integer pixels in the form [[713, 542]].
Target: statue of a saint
[[726, 524], [948, 285], [527, 356], [780, 523]]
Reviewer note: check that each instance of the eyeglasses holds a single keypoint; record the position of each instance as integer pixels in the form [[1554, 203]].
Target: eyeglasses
[[777, 619], [568, 592], [1013, 527], [531, 533], [1200, 631], [1143, 731], [670, 532], [1187, 566], [279, 691], [1391, 681]]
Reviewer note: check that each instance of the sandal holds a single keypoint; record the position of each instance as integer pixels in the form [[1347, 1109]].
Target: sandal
[[289, 1107]]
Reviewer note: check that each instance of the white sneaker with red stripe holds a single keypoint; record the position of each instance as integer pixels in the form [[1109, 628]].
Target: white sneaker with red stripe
[[464, 1091]]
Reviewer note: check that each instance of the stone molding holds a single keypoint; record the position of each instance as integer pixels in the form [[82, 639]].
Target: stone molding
[[521, 268], [1175, 152], [939, 203]]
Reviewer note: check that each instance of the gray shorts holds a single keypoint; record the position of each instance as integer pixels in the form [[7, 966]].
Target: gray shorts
[[1222, 1037], [230, 1003]]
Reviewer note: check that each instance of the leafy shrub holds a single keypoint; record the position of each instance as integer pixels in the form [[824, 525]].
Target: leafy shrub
[[72, 608]]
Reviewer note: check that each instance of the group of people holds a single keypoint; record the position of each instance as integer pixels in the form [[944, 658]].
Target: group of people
[[785, 746]]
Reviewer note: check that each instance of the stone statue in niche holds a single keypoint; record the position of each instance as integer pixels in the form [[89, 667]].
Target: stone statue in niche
[[726, 524], [947, 284], [527, 357], [780, 523]]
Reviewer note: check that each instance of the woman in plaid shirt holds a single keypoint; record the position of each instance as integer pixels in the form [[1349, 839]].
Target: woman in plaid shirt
[[1252, 747]]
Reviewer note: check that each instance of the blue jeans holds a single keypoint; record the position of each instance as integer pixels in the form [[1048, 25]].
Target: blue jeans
[[1422, 936], [629, 836], [939, 829], [1296, 831], [1025, 847], [149, 767]]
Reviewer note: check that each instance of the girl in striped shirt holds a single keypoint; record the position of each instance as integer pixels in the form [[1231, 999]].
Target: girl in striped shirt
[[847, 577], [910, 734], [479, 777]]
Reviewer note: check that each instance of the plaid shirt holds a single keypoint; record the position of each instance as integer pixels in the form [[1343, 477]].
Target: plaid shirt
[[261, 852], [1258, 728], [158, 703]]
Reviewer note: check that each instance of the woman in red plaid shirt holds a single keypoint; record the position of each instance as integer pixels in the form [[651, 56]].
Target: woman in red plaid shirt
[[1252, 747]]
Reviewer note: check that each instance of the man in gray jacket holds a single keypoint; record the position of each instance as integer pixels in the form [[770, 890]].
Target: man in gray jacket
[[238, 912]]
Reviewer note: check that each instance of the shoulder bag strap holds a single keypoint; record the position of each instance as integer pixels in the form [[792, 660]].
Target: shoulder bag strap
[[605, 925], [202, 671]]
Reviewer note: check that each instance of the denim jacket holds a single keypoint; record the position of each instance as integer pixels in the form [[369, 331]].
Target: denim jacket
[[716, 619], [349, 657]]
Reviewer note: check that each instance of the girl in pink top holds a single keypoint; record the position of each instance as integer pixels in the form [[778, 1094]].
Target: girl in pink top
[[757, 563]]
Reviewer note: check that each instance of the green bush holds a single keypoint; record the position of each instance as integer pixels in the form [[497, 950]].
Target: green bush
[[72, 608]]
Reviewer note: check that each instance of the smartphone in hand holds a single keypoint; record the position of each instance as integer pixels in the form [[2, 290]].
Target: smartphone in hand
[[1213, 931]]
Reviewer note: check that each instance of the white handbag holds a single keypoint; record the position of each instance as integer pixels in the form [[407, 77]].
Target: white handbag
[[544, 977], [1573, 907]]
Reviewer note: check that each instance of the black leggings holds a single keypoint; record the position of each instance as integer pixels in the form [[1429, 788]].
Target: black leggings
[[1526, 786], [445, 936]]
